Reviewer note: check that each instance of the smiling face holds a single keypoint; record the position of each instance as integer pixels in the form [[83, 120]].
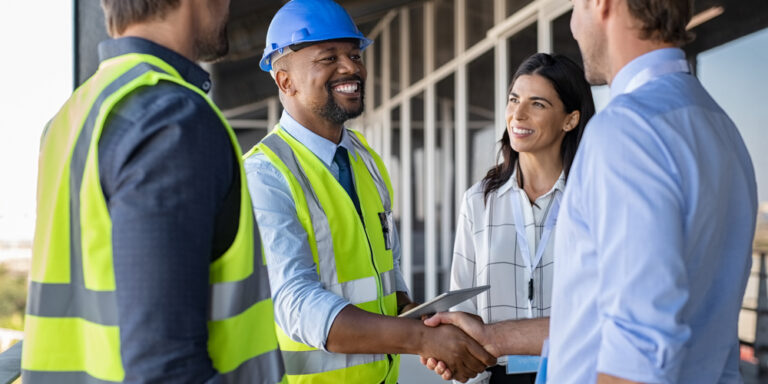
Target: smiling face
[[536, 118], [327, 80]]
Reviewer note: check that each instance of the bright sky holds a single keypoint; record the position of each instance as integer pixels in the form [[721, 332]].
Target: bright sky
[[36, 63]]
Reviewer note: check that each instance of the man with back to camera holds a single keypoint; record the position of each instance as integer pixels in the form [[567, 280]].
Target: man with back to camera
[[145, 264], [324, 203], [655, 232]]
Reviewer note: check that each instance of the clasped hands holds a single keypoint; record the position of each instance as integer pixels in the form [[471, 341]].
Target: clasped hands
[[463, 349]]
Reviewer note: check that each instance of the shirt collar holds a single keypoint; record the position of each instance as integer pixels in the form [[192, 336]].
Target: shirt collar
[[511, 184], [189, 70], [323, 148], [648, 60]]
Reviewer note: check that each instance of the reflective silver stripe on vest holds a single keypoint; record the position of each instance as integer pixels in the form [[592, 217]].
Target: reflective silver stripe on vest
[[388, 282], [231, 298], [373, 169], [317, 361], [322, 229], [68, 300], [60, 377], [364, 290], [258, 370]]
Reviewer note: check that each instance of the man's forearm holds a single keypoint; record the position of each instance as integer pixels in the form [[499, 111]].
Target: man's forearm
[[517, 337], [382, 334], [603, 378]]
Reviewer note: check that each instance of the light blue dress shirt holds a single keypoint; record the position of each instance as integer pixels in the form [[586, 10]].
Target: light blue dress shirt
[[303, 308], [654, 236]]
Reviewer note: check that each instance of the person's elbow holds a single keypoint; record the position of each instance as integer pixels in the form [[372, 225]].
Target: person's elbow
[[642, 352]]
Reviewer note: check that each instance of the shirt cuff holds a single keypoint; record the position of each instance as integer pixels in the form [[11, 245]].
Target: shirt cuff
[[330, 318], [400, 285], [630, 354]]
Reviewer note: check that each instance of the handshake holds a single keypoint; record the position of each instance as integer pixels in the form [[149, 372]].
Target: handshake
[[460, 346]]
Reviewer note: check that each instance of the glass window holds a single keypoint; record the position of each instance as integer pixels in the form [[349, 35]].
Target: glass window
[[375, 77], [444, 179], [394, 57], [444, 32], [417, 183], [479, 17], [416, 42], [520, 46], [394, 166], [516, 5], [481, 118]]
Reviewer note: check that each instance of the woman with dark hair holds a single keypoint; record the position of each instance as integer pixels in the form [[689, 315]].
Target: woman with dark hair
[[504, 236]]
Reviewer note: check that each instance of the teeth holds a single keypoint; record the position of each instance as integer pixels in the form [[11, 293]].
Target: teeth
[[346, 88], [521, 131]]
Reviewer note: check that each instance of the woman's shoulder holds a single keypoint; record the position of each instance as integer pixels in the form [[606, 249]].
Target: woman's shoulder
[[475, 193]]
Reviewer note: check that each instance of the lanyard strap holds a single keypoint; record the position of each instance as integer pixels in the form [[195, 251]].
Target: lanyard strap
[[522, 240], [655, 71]]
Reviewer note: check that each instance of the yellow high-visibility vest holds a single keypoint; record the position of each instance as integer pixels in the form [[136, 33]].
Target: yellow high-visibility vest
[[71, 332], [352, 256]]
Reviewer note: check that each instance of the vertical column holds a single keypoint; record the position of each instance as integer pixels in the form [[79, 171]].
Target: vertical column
[[430, 143], [499, 11], [501, 73], [371, 129], [405, 44], [462, 135], [386, 78], [544, 27], [501, 81], [446, 225], [406, 157]]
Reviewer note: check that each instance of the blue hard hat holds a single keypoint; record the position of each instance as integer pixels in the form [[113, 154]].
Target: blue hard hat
[[304, 21]]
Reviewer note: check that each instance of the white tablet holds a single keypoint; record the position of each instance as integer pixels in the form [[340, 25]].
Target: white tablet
[[445, 301]]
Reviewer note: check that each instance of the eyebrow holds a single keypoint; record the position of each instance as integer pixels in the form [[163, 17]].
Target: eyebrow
[[534, 98]]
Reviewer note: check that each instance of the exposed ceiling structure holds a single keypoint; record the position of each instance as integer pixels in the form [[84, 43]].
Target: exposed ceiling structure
[[237, 78], [239, 81]]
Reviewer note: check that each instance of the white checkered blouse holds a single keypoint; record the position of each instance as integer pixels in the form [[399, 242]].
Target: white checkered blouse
[[486, 252]]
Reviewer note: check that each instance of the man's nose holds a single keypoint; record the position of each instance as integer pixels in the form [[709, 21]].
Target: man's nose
[[347, 65]]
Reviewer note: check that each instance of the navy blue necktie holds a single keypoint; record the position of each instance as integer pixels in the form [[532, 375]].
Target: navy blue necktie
[[345, 175]]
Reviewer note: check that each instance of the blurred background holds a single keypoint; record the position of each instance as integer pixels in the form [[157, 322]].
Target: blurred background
[[437, 77]]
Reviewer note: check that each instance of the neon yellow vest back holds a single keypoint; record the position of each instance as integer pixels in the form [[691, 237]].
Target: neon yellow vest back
[[352, 259], [71, 329]]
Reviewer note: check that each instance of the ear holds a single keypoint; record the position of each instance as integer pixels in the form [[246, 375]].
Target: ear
[[571, 121], [284, 82], [603, 8]]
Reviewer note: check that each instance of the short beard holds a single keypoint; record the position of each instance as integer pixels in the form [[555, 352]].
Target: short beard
[[213, 46], [333, 112], [595, 63]]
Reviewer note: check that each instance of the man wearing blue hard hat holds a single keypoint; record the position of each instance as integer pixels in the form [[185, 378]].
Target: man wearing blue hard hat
[[323, 200]]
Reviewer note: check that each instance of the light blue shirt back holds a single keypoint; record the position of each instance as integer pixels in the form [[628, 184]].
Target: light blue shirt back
[[654, 236]]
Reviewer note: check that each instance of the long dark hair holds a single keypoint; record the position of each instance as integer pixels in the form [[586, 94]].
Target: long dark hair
[[568, 80]]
